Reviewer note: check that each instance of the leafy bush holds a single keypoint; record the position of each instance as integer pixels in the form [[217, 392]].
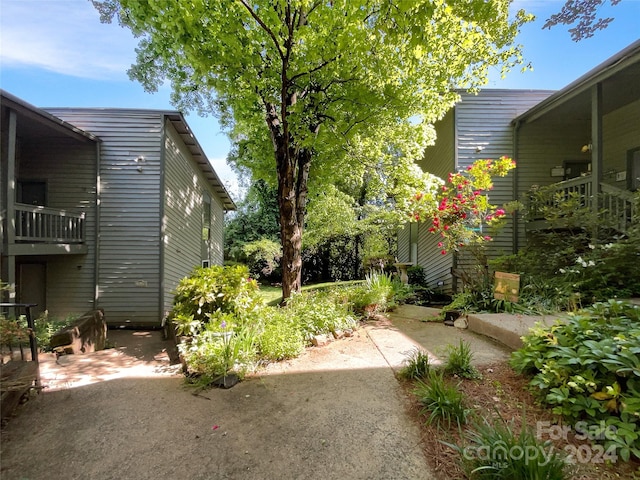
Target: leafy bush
[[416, 366], [459, 361], [214, 289], [15, 331], [281, 337], [443, 403], [221, 346], [566, 266], [320, 312], [588, 369], [378, 293], [417, 276], [494, 450], [263, 257]]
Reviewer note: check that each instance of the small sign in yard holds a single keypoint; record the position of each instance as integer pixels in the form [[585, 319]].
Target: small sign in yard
[[506, 286]]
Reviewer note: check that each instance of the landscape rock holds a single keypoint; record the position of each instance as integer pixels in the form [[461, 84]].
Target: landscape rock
[[87, 334], [461, 322], [320, 340]]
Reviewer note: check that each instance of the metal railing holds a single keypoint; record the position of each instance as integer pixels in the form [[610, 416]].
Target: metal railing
[[48, 225]]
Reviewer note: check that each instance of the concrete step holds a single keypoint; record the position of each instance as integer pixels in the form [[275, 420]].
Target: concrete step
[[506, 328], [502, 327]]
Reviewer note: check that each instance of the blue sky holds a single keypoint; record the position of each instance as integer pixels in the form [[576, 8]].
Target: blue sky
[[56, 53]]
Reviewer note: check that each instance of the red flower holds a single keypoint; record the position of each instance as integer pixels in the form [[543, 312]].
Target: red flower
[[443, 252]]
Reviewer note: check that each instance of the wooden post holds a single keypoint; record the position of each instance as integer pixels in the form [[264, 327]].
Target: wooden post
[[596, 145], [8, 237]]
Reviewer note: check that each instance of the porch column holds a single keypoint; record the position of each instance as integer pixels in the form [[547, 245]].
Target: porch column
[[596, 143], [9, 215]]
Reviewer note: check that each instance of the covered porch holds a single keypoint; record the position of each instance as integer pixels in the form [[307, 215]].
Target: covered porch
[[48, 205], [585, 141]]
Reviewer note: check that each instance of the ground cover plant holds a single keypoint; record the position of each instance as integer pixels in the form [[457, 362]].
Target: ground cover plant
[[564, 267], [492, 425], [504, 412], [587, 369], [443, 403], [224, 326]]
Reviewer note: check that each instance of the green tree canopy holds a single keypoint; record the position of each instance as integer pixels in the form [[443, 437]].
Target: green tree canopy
[[311, 86]]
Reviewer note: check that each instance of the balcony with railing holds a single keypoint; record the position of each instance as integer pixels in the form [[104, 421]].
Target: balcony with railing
[[48, 230], [615, 207]]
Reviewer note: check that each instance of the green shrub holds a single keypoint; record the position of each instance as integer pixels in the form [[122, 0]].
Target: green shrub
[[416, 365], [493, 450], [15, 331], [377, 293], [281, 337], [587, 368], [320, 312], [417, 276], [442, 402], [459, 361], [262, 257], [210, 290], [220, 347]]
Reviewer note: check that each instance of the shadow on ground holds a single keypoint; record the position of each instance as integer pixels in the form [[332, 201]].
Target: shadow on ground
[[337, 412]]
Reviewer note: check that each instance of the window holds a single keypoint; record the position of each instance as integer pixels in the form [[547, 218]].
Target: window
[[32, 192]]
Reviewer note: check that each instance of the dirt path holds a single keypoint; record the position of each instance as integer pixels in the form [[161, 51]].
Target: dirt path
[[337, 412]]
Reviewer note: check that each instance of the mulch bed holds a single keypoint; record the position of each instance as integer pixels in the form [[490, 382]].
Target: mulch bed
[[503, 393]]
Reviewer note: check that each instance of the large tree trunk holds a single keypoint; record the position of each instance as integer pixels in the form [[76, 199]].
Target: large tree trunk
[[293, 173], [292, 195]]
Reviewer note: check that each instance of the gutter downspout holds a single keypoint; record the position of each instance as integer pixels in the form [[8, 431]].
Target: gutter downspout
[[161, 223], [96, 255], [516, 193]]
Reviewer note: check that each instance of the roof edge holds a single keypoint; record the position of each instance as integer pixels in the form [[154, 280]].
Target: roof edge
[[46, 116], [606, 69]]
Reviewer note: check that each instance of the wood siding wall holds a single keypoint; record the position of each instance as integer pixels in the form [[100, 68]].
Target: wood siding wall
[[184, 201], [439, 159], [484, 123], [543, 146], [69, 169], [479, 127], [621, 133], [129, 248]]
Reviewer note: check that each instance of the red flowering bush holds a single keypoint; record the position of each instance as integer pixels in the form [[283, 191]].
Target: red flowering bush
[[462, 207]]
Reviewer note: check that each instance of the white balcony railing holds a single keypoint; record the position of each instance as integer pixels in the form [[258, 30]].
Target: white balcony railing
[[616, 207], [48, 225]]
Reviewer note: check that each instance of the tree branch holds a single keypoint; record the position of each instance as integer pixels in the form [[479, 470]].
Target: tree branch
[[315, 69], [263, 26]]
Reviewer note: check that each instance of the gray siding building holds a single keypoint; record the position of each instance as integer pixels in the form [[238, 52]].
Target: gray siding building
[[148, 204], [478, 127], [584, 138]]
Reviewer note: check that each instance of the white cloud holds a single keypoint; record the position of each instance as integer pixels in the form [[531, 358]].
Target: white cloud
[[64, 36]]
